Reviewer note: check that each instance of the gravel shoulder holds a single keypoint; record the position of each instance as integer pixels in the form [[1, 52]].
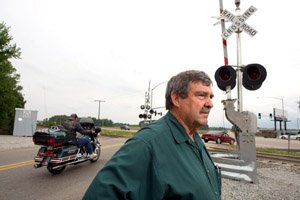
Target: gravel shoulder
[[12, 142], [275, 181]]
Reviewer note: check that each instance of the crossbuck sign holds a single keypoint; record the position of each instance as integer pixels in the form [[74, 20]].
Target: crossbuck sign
[[238, 22]]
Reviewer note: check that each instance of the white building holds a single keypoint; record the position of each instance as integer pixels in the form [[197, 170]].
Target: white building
[[25, 122]]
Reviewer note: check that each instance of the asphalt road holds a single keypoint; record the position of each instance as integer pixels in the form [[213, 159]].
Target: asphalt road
[[277, 143], [20, 180]]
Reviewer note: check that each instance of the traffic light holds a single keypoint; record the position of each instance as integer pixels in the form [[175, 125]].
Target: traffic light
[[159, 113], [225, 76], [253, 76], [145, 108], [155, 112], [143, 116], [259, 115]]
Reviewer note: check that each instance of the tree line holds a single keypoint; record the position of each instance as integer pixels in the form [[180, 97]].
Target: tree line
[[11, 96], [60, 119]]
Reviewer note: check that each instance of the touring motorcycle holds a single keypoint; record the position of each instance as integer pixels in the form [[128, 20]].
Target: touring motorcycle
[[56, 153]]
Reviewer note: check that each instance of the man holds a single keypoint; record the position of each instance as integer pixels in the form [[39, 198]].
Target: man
[[72, 126], [166, 159]]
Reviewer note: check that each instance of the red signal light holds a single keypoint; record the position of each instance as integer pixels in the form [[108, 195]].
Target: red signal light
[[253, 73], [253, 76], [225, 76]]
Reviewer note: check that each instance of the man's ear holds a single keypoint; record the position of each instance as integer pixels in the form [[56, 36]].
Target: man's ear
[[175, 99]]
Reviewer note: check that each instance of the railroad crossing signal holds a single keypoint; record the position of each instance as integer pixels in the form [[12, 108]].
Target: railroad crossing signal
[[238, 22], [225, 76], [253, 76], [146, 108]]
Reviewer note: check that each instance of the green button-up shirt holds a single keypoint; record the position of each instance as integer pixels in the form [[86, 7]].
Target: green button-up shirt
[[159, 162]]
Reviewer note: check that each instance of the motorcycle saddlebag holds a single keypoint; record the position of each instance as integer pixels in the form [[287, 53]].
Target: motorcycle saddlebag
[[66, 151], [49, 137]]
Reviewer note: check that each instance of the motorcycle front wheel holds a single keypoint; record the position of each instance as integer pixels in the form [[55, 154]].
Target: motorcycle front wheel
[[98, 152], [56, 170]]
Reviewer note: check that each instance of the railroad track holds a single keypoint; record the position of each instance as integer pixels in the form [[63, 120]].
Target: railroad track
[[294, 160], [269, 157]]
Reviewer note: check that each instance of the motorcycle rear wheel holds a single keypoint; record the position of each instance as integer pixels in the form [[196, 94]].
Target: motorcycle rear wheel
[[55, 171], [98, 152]]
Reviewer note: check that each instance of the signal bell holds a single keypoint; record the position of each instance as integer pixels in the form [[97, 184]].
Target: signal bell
[[225, 76], [253, 76]]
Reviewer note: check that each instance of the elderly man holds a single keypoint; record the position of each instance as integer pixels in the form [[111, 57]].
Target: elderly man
[[166, 159]]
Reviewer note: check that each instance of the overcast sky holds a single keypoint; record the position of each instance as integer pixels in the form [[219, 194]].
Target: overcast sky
[[75, 52]]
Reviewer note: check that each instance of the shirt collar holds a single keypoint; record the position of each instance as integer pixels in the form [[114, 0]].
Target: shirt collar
[[179, 132], [177, 129]]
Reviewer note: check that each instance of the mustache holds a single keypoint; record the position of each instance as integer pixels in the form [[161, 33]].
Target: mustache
[[205, 110]]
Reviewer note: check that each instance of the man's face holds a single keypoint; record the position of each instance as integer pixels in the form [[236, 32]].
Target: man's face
[[194, 109], [72, 120]]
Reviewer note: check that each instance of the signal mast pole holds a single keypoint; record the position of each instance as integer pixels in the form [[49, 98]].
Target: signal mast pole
[[239, 62]]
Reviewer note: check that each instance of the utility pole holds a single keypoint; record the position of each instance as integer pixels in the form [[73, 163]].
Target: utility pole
[[100, 101]]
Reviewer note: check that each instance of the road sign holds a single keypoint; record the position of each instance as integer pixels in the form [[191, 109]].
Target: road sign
[[238, 22]]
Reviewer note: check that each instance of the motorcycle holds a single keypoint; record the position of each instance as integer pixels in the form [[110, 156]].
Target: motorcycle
[[56, 153]]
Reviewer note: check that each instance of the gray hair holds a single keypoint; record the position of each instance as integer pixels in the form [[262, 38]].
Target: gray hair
[[180, 83]]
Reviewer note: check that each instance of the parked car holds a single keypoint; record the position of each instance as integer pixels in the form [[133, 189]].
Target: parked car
[[125, 127], [292, 137], [218, 136]]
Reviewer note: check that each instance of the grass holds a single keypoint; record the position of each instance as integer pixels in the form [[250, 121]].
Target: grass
[[119, 133], [123, 133], [278, 151], [202, 132], [129, 134]]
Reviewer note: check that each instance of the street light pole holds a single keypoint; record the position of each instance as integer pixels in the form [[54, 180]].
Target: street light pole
[[298, 102], [284, 123], [153, 89], [100, 101]]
